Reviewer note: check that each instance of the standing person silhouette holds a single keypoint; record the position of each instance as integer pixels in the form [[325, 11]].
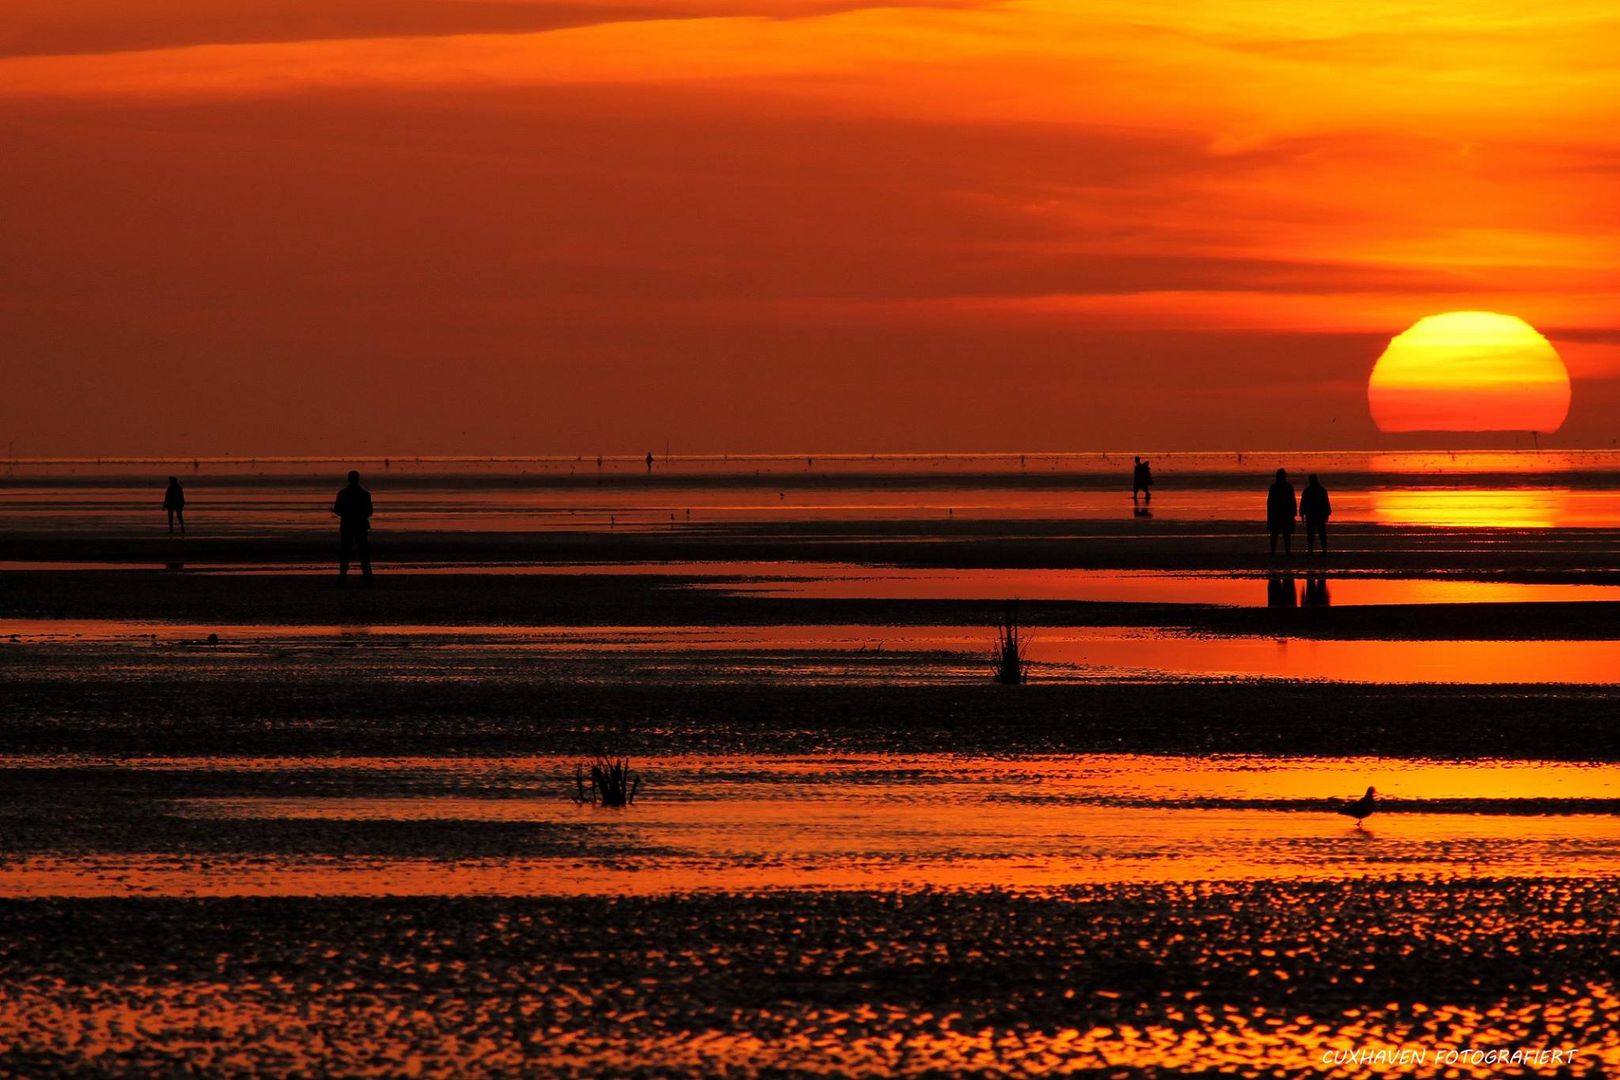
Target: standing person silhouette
[[174, 502], [1139, 481], [1315, 508], [1281, 509], [649, 462], [353, 509]]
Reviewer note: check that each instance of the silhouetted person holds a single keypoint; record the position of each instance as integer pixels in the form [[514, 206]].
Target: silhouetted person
[[1315, 508], [1316, 591], [649, 461], [1281, 509], [353, 509], [174, 502], [1280, 591], [1142, 480]]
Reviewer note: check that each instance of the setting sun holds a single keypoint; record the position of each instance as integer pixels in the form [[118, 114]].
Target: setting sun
[[1469, 371]]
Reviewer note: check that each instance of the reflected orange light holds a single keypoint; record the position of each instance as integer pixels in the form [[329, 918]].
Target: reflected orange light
[[1469, 371], [1471, 508]]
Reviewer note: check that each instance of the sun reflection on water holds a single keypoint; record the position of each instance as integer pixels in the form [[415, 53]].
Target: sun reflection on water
[[1506, 508]]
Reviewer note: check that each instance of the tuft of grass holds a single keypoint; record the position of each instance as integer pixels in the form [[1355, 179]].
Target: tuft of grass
[[1008, 663], [606, 781]]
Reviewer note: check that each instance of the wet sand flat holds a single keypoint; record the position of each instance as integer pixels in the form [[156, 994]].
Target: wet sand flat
[[1140, 981], [31, 603], [124, 698], [1309, 583], [1057, 542], [852, 653], [85, 827], [252, 824]]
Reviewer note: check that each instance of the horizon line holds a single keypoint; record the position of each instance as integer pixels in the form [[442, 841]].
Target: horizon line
[[724, 456]]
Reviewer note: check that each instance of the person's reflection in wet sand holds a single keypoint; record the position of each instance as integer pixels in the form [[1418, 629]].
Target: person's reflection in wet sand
[[1280, 591], [1142, 512], [1316, 591]]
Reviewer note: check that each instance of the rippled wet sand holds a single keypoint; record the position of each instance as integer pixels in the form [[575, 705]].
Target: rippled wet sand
[[1255, 979]]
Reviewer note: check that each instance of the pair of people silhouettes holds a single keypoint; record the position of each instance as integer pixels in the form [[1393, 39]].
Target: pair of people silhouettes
[[1142, 481], [352, 507], [1282, 509]]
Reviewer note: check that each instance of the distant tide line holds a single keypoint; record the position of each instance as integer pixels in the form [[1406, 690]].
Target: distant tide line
[[1110, 456]]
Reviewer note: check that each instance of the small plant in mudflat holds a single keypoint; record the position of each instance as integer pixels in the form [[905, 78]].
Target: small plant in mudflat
[[1008, 662], [605, 781]]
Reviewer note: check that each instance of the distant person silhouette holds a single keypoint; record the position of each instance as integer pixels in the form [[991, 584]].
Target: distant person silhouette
[[1281, 509], [353, 509], [1315, 508], [649, 461], [1142, 480], [174, 502]]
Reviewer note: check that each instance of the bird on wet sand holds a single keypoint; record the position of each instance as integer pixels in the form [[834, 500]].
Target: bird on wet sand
[[1360, 808]]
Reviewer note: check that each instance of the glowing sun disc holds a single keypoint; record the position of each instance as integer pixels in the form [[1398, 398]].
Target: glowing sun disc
[[1469, 371]]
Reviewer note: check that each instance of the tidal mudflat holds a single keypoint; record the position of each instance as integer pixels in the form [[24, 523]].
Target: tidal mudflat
[[1254, 978], [255, 824], [433, 826]]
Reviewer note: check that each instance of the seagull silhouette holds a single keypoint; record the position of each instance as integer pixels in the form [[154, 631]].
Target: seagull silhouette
[[1360, 808]]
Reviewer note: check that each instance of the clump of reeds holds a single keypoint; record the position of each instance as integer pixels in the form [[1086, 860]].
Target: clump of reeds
[[1008, 662], [606, 781]]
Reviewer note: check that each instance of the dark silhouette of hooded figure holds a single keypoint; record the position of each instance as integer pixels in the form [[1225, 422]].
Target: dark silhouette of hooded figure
[[353, 509], [1281, 509]]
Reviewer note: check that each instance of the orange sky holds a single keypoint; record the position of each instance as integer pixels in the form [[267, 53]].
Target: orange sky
[[390, 226]]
